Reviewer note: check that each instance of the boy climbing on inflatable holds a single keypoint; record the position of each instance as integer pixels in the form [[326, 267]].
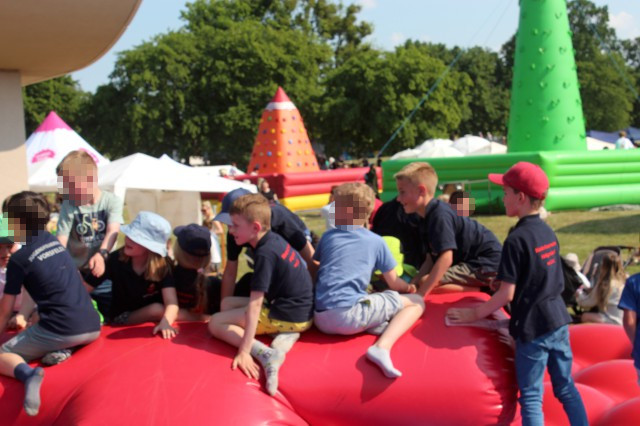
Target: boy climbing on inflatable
[[530, 277], [47, 271], [348, 255], [281, 298], [461, 252]]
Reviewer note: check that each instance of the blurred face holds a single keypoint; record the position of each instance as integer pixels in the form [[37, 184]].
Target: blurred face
[[412, 197], [243, 231], [133, 249], [80, 186], [346, 212], [464, 207], [206, 210], [19, 231], [6, 250], [265, 186]]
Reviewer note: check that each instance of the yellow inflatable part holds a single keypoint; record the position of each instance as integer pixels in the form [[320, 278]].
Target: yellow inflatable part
[[305, 202]]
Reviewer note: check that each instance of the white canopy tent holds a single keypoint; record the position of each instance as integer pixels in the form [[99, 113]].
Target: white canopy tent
[[47, 146], [163, 186], [475, 145], [594, 144]]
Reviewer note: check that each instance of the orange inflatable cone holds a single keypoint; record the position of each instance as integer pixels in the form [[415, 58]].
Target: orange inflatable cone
[[282, 144]]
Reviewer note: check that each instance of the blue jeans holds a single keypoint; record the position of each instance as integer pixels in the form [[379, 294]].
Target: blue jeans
[[550, 350]]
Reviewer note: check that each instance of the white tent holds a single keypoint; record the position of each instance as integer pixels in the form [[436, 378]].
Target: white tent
[[475, 145], [439, 151], [47, 146], [594, 144], [426, 146], [163, 186], [430, 143]]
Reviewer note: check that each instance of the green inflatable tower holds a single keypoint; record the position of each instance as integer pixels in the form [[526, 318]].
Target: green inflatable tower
[[546, 110]]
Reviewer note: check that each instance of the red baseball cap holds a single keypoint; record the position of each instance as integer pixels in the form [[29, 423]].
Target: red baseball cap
[[525, 177]]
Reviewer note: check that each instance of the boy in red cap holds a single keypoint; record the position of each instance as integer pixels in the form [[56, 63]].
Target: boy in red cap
[[530, 277]]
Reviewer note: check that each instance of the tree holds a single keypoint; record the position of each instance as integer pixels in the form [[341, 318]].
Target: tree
[[62, 94], [370, 95]]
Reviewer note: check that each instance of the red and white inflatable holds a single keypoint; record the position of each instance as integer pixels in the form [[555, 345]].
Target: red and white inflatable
[[451, 376]]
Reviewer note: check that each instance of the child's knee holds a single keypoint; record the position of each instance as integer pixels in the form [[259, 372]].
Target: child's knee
[[414, 300]]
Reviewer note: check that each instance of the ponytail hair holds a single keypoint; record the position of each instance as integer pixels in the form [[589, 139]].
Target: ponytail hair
[[157, 268], [611, 275]]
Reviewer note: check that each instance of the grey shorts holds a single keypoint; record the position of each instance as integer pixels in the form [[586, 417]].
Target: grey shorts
[[463, 274], [35, 342], [372, 314]]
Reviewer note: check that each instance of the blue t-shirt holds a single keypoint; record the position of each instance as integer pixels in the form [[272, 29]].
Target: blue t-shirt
[[284, 223], [49, 274], [347, 259], [531, 260], [283, 277], [630, 301], [470, 242]]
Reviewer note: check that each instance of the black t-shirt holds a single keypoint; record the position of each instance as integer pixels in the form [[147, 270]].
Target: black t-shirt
[[186, 286], [48, 272], [283, 222], [130, 291], [282, 275], [390, 219], [471, 242], [531, 260]]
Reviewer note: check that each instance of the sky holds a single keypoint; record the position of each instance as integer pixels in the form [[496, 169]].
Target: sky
[[463, 23]]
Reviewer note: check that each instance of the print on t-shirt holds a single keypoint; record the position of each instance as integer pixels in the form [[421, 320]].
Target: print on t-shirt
[[90, 227]]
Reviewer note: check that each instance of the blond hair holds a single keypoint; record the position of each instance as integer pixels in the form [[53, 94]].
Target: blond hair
[[419, 174], [611, 275], [76, 161], [357, 195], [156, 269], [189, 261], [254, 208]]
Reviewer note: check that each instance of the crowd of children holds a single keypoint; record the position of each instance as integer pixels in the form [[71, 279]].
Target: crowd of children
[[294, 285]]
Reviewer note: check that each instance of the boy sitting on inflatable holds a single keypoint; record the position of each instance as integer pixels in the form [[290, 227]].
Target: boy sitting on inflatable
[[348, 255], [530, 277], [461, 252], [281, 298], [47, 271]]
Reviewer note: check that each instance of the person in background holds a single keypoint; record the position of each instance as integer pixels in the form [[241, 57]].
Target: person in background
[[605, 295], [371, 179], [630, 304], [217, 234], [623, 141], [328, 211], [7, 248], [265, 190], [462, 203]]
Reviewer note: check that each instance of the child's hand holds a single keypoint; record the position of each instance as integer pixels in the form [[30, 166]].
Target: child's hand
[[462, 315], [18, 322], [168, 332], [96, 264], [245, 361], [412, 289]]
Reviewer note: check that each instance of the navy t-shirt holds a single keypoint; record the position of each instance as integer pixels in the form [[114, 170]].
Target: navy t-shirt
[[531, 261], [130, 291], [186, 287], [471, 242], [284, 223], [48, 272], [630, 301], [281, 274]]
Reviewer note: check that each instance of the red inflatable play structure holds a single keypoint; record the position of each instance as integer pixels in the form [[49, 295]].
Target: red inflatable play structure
[[282, 154], [451, 376]]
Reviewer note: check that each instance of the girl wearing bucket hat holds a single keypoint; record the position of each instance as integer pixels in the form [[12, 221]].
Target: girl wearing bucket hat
[[143, 287]]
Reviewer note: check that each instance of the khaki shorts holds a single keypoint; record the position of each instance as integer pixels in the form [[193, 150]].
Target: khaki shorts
[[370, 314], [463, 274], [35, 342], [268, 325]]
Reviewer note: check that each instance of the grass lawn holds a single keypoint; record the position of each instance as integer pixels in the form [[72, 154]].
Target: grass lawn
[[579, 232]]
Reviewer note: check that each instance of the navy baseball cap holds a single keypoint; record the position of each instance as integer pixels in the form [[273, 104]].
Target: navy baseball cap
[[194, 239], [227, 201]]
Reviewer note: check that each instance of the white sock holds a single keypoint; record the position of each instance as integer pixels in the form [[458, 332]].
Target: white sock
[[382, 358]]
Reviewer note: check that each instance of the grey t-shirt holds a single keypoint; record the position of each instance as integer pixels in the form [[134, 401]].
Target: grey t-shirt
[[86, 226]]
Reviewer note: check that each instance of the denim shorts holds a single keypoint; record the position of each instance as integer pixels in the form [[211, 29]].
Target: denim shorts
[[35, 342], [372, 314]]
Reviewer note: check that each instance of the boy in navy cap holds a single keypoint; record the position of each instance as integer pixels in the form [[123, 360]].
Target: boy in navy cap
[[530, 277], [283, 222]]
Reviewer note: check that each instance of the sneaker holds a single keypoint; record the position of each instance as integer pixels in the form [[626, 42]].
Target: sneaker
[[56, 357]]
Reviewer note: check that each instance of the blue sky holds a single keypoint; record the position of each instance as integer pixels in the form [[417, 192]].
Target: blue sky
[[464, 23]]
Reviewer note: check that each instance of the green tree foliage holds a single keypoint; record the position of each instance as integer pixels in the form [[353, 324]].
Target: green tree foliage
[[61, 94]]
